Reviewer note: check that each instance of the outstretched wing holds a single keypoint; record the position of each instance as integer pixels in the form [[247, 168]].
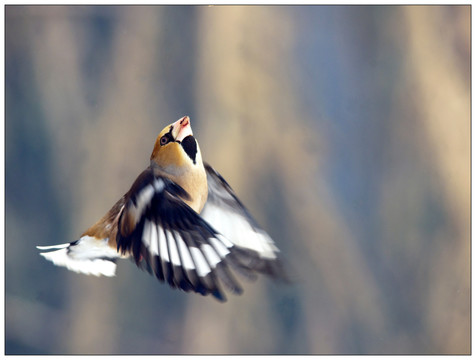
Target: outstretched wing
[[169, 239], [227, 215]]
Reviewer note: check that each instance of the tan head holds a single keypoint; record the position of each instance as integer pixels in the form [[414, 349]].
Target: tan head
[[175, 148]]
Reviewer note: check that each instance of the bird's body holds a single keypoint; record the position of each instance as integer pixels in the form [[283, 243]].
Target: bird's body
[[180, 221]]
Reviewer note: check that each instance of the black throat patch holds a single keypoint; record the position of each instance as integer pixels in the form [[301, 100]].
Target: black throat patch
[[190, 146]]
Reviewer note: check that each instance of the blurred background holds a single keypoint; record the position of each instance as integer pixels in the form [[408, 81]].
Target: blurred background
[[344, 129]]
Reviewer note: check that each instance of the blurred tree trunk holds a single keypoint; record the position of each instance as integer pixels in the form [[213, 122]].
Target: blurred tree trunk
[[94, 150], [444, 105]]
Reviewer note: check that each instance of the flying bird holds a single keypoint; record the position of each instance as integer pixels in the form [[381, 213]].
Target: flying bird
[[180, 221]]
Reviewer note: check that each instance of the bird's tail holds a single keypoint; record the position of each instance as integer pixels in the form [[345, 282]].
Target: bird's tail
[[87, 255]]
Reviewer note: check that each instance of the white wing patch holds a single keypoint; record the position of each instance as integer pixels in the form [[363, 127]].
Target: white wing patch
[[236, 229], [187, 261], [219, 247], [158, 185], [171, 247], [190, 250], [162, 244], [174, 256], [144, 198], [211, 255], [200, 262], [147, 234], [154, 240], [224, 240]]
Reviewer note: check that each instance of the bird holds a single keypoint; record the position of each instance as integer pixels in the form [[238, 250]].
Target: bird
[[181, 222]]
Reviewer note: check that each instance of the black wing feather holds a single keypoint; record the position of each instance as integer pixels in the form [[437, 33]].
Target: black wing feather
[[247, 258], [157, 201]]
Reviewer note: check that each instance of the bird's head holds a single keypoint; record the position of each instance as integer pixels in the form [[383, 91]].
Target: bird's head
[[176, 148]]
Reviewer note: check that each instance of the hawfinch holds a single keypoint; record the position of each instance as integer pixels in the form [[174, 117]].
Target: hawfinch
[[180, 221]]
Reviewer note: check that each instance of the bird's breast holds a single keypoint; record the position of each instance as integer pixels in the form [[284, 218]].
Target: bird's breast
[[194, 182]]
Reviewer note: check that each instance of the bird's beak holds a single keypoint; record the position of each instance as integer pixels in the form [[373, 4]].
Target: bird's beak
[[181, 128]]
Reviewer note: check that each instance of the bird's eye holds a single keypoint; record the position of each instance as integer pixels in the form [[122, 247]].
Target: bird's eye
[[165, 139]]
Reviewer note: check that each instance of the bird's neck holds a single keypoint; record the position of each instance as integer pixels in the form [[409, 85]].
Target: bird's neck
[[192, 179]]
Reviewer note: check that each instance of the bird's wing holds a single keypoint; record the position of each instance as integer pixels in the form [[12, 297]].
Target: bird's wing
[[169, 239], [227, 215]]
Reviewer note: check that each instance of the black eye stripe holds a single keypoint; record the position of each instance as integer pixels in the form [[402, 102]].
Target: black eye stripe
[[166, 139]]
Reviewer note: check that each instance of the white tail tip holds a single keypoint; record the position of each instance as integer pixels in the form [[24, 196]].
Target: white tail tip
[[95, 267], [53, 247], [88, 255]]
